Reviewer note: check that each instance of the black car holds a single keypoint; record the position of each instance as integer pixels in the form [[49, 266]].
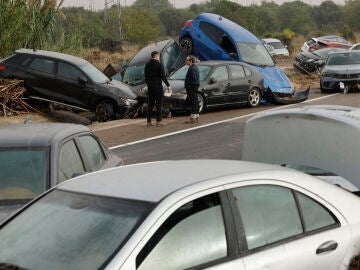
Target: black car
[[171, 57], [222, 84], [311, 61], [35, 157], [71, 81]]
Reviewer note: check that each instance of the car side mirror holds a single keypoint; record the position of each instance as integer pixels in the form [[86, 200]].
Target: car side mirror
[[82, 80], [212, 80], [320, 62]]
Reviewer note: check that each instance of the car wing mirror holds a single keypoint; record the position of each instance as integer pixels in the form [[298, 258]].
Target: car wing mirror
[[320, 62], [83, 80], [212, 80]]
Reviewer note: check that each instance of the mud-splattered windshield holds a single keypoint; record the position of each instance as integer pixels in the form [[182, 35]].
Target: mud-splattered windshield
[[255, 54]]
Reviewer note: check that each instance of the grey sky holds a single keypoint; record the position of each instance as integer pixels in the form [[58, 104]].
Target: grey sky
[[100, 4]]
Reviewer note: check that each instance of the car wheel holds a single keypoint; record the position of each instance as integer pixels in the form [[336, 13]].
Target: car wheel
[[187, 45], [104, 111], [254, 97], [202, 103]]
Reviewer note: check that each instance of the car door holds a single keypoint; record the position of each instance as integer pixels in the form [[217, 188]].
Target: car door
[[239, 84], [73, 87], [39, 77], [217, 86], [196, 235], [288, 229]]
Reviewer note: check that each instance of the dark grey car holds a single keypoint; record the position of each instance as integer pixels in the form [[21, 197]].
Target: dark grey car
[[35, 157]]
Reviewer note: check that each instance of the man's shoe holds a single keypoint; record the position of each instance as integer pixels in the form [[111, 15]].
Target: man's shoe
[[160, 124], [190, 121], [149, 124]]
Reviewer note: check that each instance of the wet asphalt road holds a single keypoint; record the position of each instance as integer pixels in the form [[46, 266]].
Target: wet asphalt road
[[211, 139]]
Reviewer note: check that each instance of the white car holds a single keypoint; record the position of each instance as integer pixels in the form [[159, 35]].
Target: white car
[[195, 214], [355, 47], [279, 48]]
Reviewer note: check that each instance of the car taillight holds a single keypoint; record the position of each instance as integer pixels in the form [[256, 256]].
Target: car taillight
[[2, 67], [188, 23]]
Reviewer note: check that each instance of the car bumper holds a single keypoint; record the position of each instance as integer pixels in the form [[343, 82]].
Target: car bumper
[[333, 84], [286, 98], [305, 67]]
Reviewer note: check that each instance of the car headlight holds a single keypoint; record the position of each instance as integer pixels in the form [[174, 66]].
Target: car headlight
[[128, 101]]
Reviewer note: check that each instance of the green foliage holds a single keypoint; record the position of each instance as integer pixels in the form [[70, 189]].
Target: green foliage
[[27, 24], [141, 26], [152, 4]]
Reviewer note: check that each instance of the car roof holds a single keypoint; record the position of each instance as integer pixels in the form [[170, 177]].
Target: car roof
[[56, 55], [237, 32], [144, 54], [154, 181], [345, 52], [37, 134], [271, 40]]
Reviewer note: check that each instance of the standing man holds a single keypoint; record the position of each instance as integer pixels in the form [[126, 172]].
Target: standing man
[[154, 76], [192, 85]]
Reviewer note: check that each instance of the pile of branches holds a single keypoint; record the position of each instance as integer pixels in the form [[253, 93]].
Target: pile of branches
[[12, 98]]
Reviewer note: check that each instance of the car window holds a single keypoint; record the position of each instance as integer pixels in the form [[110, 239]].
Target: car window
[[255, 54], [315, 216], [42, 64], [237, 72], [220, 74], [93, 151], [271, 213], [170, 55], [212, 32], [68, 71], [23, 173], [192, 235], [92, 72], [72, 231], [70, 161]]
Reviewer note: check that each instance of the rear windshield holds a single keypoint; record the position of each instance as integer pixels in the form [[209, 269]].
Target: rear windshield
[[23, 173], [65, 230]]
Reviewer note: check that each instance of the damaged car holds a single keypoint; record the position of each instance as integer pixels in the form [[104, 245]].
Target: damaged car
[[213, 37], [341, 72], [171, 58], [314, 44], [312, 61], [222, 84], [71, 81]]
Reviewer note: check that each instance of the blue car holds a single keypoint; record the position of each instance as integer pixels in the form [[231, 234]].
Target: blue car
[[213, 37]]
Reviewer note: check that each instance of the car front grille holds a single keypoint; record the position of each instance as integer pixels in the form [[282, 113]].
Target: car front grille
[[344, 76]]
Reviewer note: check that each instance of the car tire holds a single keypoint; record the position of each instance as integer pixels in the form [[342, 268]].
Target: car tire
[[254, 97], [104, 111], [202, 103], [187, 45]]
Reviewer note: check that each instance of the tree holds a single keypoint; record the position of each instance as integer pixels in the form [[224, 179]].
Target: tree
[[327, 16], [152, 4], [141, 26]]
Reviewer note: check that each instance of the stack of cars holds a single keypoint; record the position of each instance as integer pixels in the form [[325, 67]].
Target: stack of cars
[[213, 37], [312, 61]]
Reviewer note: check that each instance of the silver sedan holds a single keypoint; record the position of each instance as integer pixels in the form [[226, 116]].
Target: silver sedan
[[195, 214]]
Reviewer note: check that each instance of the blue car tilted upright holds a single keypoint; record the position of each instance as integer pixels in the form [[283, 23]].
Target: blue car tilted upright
[[213, 37]]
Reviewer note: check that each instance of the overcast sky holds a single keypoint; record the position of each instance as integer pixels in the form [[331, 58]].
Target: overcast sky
[[100, 4]]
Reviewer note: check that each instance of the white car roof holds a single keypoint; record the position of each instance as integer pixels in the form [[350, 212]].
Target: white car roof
[[271, 40], [154, 181]]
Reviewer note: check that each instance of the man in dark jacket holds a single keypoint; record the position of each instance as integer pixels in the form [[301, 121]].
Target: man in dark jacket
[[192, 83], [154, 76]]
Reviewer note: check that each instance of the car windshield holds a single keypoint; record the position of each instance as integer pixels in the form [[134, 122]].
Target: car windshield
[[134, 75], [65, 230], [255, 54], [276, 45], [181, 73], [346, 58], [23, 173], [96, 75]]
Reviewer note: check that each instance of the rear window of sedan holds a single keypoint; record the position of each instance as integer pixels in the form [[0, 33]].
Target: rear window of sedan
[[23, 173]]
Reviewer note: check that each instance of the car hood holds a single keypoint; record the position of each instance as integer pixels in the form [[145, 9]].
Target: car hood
[[121, 89], [275, 79], [177, 85], [342, 69], [308, 55]]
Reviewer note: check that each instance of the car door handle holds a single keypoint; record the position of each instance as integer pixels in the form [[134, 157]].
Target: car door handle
[[228, 84], [249, 81], [327, 246]]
